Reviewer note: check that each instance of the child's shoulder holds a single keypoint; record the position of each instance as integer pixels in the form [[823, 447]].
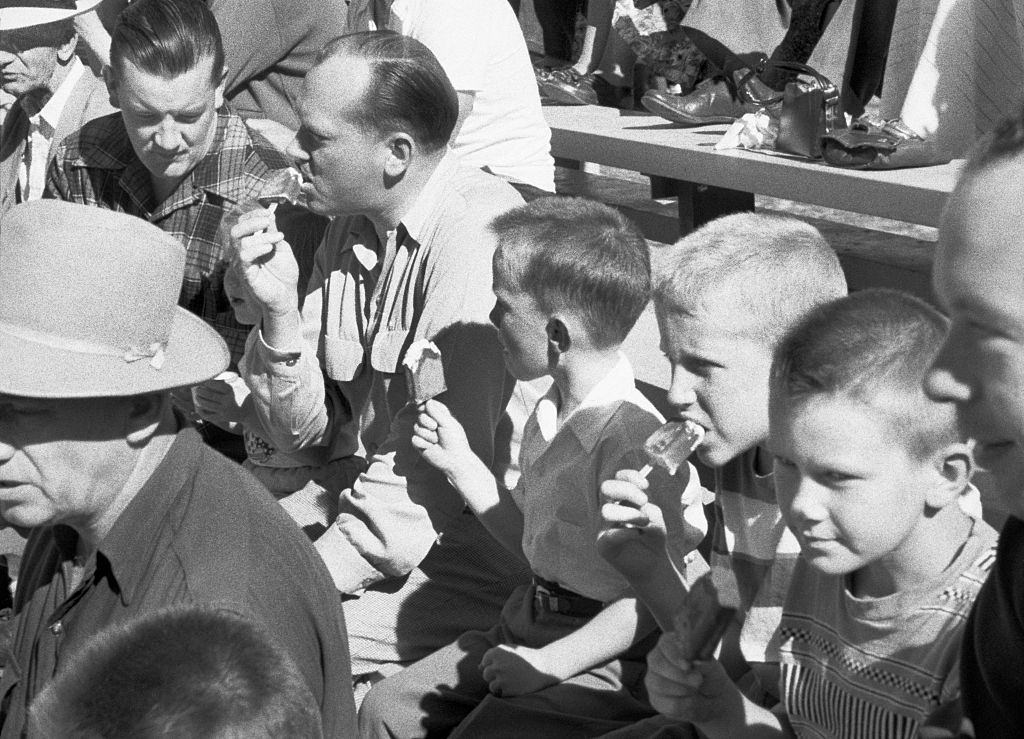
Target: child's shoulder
[[633, 418], [974, 563]]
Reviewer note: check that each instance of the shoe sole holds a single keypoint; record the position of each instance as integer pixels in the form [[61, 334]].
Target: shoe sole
[[669, 113], [553, 91]]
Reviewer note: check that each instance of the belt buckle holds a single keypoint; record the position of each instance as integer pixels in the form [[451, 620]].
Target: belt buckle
[[545, 601]]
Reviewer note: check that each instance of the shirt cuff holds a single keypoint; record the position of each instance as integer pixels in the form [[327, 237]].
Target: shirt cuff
[[348, 569], [275, 356]]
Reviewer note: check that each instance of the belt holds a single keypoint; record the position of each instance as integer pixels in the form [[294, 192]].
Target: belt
[[553, 598]]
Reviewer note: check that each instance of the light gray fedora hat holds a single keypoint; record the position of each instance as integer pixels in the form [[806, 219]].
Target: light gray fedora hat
[[24, 13], [88, 306]]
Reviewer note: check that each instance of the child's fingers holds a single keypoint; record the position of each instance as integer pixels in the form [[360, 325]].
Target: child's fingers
[[425, 421], [666, 662], [423, 441], [439, 412], [634, 477], [207, 396], [616, 516], [623, 492], [655, 517]]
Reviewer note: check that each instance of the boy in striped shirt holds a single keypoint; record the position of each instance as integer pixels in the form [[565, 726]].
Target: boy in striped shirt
[[724, 296], [871, 477]]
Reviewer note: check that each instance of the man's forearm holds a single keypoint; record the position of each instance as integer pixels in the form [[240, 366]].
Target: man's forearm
[[288, 394], [283, 331]]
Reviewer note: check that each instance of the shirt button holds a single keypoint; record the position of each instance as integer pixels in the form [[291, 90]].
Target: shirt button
[[57, 628]]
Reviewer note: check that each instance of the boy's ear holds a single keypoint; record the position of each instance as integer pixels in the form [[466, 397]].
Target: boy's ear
[[955, 466], [558, 334]]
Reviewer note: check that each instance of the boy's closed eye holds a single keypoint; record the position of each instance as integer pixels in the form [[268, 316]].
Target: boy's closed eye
[[697, 366], [825, 476]]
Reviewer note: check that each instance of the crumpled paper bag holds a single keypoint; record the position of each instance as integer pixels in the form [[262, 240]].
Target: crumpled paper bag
[[752, 131]]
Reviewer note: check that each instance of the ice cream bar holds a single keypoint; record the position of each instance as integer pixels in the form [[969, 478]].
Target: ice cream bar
[[669, 446], [701, 621], [424, 371], [284, 186]]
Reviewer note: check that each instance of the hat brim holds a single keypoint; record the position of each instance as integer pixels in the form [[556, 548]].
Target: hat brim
[[14, 18], [194, 353]]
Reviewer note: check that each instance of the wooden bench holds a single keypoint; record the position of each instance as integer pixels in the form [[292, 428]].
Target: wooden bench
[[707, 183], [713, 182]]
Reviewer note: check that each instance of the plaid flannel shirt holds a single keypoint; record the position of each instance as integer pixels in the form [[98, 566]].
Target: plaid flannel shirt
[[97, 166]]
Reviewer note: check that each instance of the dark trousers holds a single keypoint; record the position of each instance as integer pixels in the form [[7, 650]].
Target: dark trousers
[[558, 23]]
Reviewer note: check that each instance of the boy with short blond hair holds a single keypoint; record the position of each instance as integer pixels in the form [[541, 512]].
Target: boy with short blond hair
[[870, 475], [724, 295], [571, 277]]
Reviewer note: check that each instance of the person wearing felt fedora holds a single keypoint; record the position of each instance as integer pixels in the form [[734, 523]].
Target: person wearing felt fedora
[[128, 510], [55, 93]]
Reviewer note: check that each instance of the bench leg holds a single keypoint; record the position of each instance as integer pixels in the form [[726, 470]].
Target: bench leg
[[699, 204]]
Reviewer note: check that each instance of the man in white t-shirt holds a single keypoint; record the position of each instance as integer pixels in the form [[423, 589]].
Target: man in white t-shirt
[[480, 46]]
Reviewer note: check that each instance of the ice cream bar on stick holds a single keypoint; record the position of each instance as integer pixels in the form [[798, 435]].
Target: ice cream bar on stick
[[284, 186], [670, 445], [424, 371], [701, 622]]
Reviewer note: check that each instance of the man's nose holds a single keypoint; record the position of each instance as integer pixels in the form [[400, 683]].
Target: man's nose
[[945, 380], [167, 136]]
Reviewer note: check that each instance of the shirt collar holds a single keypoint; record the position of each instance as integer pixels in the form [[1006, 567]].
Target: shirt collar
[[50, 112], [588, 420], [145, 515], [425, 208]]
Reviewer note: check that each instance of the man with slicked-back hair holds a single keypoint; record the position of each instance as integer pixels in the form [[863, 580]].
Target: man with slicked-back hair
[[407, 258]]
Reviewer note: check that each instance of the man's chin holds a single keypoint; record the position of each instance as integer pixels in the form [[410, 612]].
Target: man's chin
[[1002, 473], [23, 515]]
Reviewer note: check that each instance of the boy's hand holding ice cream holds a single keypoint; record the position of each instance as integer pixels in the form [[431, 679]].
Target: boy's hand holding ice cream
[[223, 401]]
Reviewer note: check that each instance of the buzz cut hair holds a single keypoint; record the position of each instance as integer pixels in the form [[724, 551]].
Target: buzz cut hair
[[577, 255], [167, 38], [873, 347], [407, 89], [183, 671], [775, 268]]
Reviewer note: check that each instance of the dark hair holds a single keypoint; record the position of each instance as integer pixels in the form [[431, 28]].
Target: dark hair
[[874, 347], [576, 254], [407, 89], [184, 671], [167, 38], [776, 267]]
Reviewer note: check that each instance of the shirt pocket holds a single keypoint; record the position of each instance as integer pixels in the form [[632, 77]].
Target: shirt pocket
[[388, 349], [343, 358]]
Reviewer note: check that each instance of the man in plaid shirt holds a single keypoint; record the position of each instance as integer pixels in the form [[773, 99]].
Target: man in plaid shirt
[[174, 155]]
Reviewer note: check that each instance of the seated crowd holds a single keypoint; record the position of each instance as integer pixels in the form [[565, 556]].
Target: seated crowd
[[232, 506]]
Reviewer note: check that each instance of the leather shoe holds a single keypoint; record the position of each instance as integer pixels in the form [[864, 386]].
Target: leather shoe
[[713, 101], [569, 87]]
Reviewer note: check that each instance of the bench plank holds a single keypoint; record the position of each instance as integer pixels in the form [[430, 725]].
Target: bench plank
[[645, 143]]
